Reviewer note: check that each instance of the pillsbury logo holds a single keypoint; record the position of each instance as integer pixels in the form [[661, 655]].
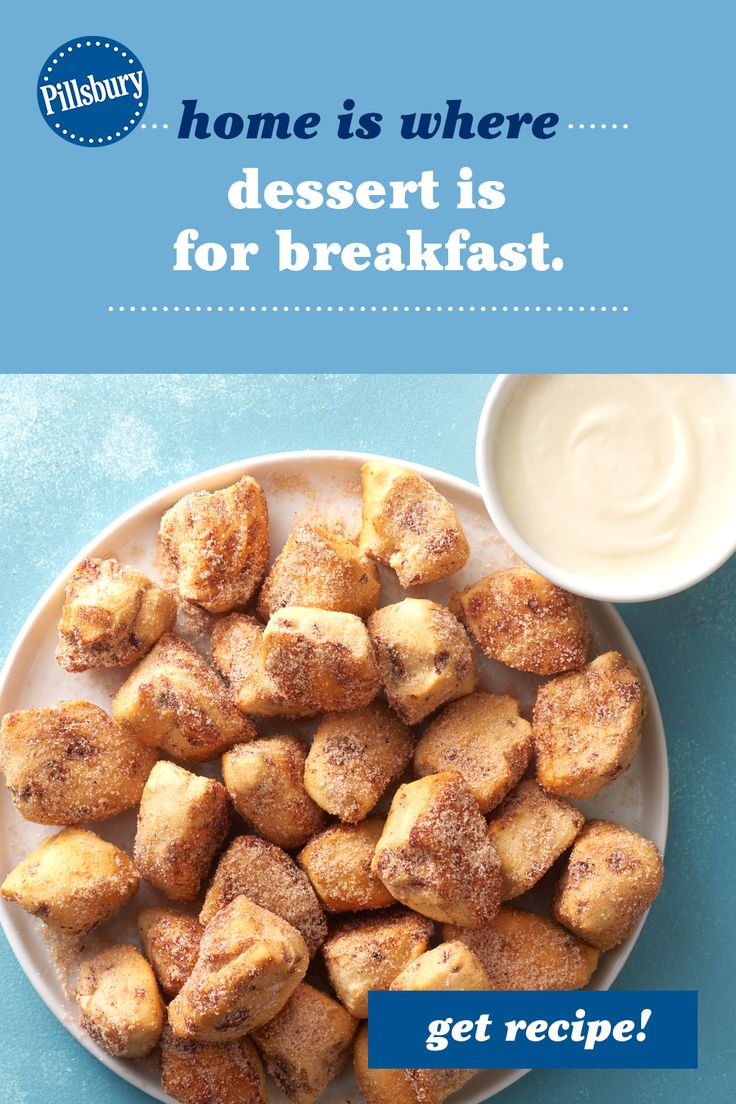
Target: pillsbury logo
[[92, 91]]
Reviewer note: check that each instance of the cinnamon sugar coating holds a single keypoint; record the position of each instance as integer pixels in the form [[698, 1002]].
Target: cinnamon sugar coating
[[71, 763], [175, 701], [354, 758], [170, 941], [519, 618], [250, 961], [182, 822], [424, 657], [119, 1002], [436, 854], [451, 965], [304, 662], [306, 1044], [265, 779], [212, 1073], [72, 880], [237, 653], [611, 878], [409, 525], [270, 878], [367, 952], [531, 829], [587, 726], [338, 863], [217, 543], [482, 736], [520, 950], [318, 660], [112, 615], [319, 568]]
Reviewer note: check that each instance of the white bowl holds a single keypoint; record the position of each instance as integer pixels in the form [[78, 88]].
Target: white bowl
[[605, 590]]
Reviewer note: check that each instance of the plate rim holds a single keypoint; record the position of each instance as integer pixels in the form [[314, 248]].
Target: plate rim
[[214, 477]]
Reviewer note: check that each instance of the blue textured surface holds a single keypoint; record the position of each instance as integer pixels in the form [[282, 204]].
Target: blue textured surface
[[76, 451]]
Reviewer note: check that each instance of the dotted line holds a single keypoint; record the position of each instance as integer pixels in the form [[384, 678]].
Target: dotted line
[[597, 126], [365, 309], [107, 46], [154, 126]]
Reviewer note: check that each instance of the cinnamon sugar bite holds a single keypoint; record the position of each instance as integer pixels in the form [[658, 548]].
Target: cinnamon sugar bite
[[265, 779], [319, 567], [435, 853], [587, 726], [112, 616], [71, 763], [424, 656], [182, 822], [303, 662], [175, 701], [520, 950], [522, 620], [409, 525], [217, 543], [269, 877], [354, 758], [170, 941]]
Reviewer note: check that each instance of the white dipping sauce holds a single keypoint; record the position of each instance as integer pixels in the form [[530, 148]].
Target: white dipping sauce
[[619, 476]]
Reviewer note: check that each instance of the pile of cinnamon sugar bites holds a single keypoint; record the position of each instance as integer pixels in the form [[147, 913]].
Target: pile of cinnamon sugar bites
[[313, 883]]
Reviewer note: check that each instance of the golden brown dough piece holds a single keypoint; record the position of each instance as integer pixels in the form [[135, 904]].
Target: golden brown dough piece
[[182, 821], [269, 877], [218, 544], [175, 701], [71, 763], [379, 1086], [212, 1073], [531, 829], [119, 1002], [72, 880], [520, 619], [587, 726], [319, 568], [112, 615], [338, 863], [409, 525], [170, 941], [367, 952], [424, 657], [522, 951], [250, 961], [265, 779], [318, 660], [354, 758], [237, 653], [482, 736], [611, 878], [451, 966], [305, 1045], [436, 854]]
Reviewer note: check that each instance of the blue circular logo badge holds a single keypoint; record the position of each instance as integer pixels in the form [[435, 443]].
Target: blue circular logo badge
[[92, 91]]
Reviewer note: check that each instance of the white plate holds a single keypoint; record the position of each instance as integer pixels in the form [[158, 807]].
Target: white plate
[[298, 485]]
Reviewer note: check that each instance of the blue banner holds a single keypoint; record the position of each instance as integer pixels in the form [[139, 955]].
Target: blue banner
[[541, 1030]]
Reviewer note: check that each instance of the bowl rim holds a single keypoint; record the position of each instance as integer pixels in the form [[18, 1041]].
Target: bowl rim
[[602, 590], [216, 477]]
